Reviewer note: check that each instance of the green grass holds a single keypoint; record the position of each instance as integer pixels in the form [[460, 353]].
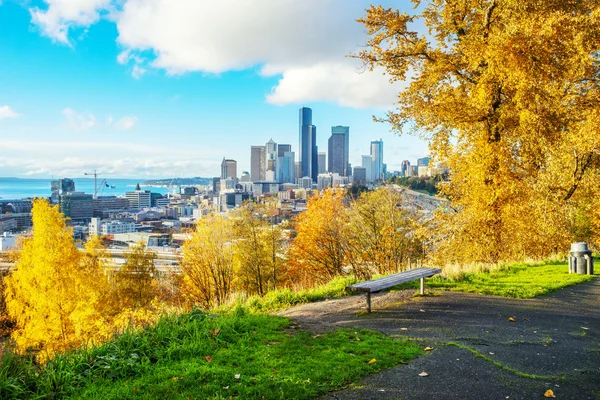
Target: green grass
[[517, 280], [285, 298], [170, 361]]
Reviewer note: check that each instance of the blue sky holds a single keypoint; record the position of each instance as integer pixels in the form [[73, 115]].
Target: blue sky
[[161, 88]]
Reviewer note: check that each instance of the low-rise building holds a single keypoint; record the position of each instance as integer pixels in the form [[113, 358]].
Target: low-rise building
[[100, 227]]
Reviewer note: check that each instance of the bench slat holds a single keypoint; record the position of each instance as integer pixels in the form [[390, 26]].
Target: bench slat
[[389, 281]]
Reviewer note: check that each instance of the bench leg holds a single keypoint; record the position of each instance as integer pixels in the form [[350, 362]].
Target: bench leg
[[368, 302], [422, 286]]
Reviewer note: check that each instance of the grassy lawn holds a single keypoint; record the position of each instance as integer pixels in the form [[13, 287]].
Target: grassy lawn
[[203, 356], [518, 280]]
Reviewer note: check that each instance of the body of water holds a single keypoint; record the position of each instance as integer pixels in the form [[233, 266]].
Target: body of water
[[16, 188]]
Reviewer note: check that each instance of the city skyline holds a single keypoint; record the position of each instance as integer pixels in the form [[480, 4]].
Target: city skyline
[[80, 91]]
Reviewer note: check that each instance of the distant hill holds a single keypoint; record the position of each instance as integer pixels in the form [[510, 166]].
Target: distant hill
[[179, 181]]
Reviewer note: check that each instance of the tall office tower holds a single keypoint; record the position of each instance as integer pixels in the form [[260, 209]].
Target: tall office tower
[[282, 149], [271, 154], [345, 150], [297, 171], [257, 163], [423, 162], [360, 175], [377, 157], [404, 167], [228, 169], [322, 162], [308, 145], [338, 156], [286, 168], [367, 164]]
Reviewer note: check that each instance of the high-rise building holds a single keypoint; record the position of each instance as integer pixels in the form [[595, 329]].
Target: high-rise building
[[297, 171], [404, 167], [360, 175], [367, 164], [77, 206], [282, 149], [285, 168], [308, 145], [139, 198], [61, 186], [344, 151], [323, 162], [377, 157], [338, 159], [423, 162], [245, 177], [228, 169], [257, 163], [271, 160]]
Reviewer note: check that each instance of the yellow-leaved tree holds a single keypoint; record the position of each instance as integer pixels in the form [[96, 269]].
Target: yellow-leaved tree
[[382, 232], [258, 249], [319, 250], [54, 294], [135, 283], [507, 94], [207, 265]]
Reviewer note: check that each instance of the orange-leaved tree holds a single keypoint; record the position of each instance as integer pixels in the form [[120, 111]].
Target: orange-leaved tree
[[318, 252]]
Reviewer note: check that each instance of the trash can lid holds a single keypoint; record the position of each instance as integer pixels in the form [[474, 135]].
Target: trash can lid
[[579, 246]]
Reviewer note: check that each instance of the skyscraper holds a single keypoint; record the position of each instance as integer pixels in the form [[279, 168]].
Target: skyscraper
[[367, 164], [377, 157], [228, 169], [285, 168], [271, 155], [257, 163], [322, 162], [338, 150], [308, 145], [345, 150], [282, 149]]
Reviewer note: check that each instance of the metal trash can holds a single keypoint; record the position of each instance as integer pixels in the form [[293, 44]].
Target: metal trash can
[[581, 260]]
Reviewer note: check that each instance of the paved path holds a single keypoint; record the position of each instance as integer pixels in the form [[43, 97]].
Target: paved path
[[555, 337]]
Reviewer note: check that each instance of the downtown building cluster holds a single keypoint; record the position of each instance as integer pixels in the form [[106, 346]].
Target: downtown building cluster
[[275, 167]]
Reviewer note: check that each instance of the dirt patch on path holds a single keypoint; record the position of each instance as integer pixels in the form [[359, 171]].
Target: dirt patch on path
[[336, 313]]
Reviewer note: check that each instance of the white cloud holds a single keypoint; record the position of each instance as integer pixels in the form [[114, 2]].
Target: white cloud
[[126, 123], [305, 42], [138, 71], [7, 112], [79, 121], [338, 82], [61, 15]]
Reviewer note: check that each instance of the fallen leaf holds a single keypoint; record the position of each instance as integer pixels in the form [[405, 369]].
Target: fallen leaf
[[428, 348], [549, 393], [421, 310], [525, 319], [357, 339], [215, 332], [423, 374], [237, 376], [208, 358], [403, 329], [511, 319], [584, 328], [226, 387], [492, 353], [373, 361], [458, 359]]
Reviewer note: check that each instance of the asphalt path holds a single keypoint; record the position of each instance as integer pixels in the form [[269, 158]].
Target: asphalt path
[[478, 351]]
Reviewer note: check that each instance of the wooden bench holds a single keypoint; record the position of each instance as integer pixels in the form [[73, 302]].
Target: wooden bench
[[376, 285]]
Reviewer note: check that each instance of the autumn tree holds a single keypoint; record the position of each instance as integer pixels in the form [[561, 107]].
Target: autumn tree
[[207, 265], [318, 252], [382, 232], [506, 93], [135, 283], [258, 247], [54, 294]]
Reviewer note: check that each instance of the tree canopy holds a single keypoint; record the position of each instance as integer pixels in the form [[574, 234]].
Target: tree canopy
[[506, 93]]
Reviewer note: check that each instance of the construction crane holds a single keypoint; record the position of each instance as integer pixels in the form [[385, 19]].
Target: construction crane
[[95, 174], [103, 183]]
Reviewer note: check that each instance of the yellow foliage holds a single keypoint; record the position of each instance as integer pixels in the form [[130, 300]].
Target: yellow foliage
[[207, 266], [54, 294], [506, 93], [318, 252], [135, 283]]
